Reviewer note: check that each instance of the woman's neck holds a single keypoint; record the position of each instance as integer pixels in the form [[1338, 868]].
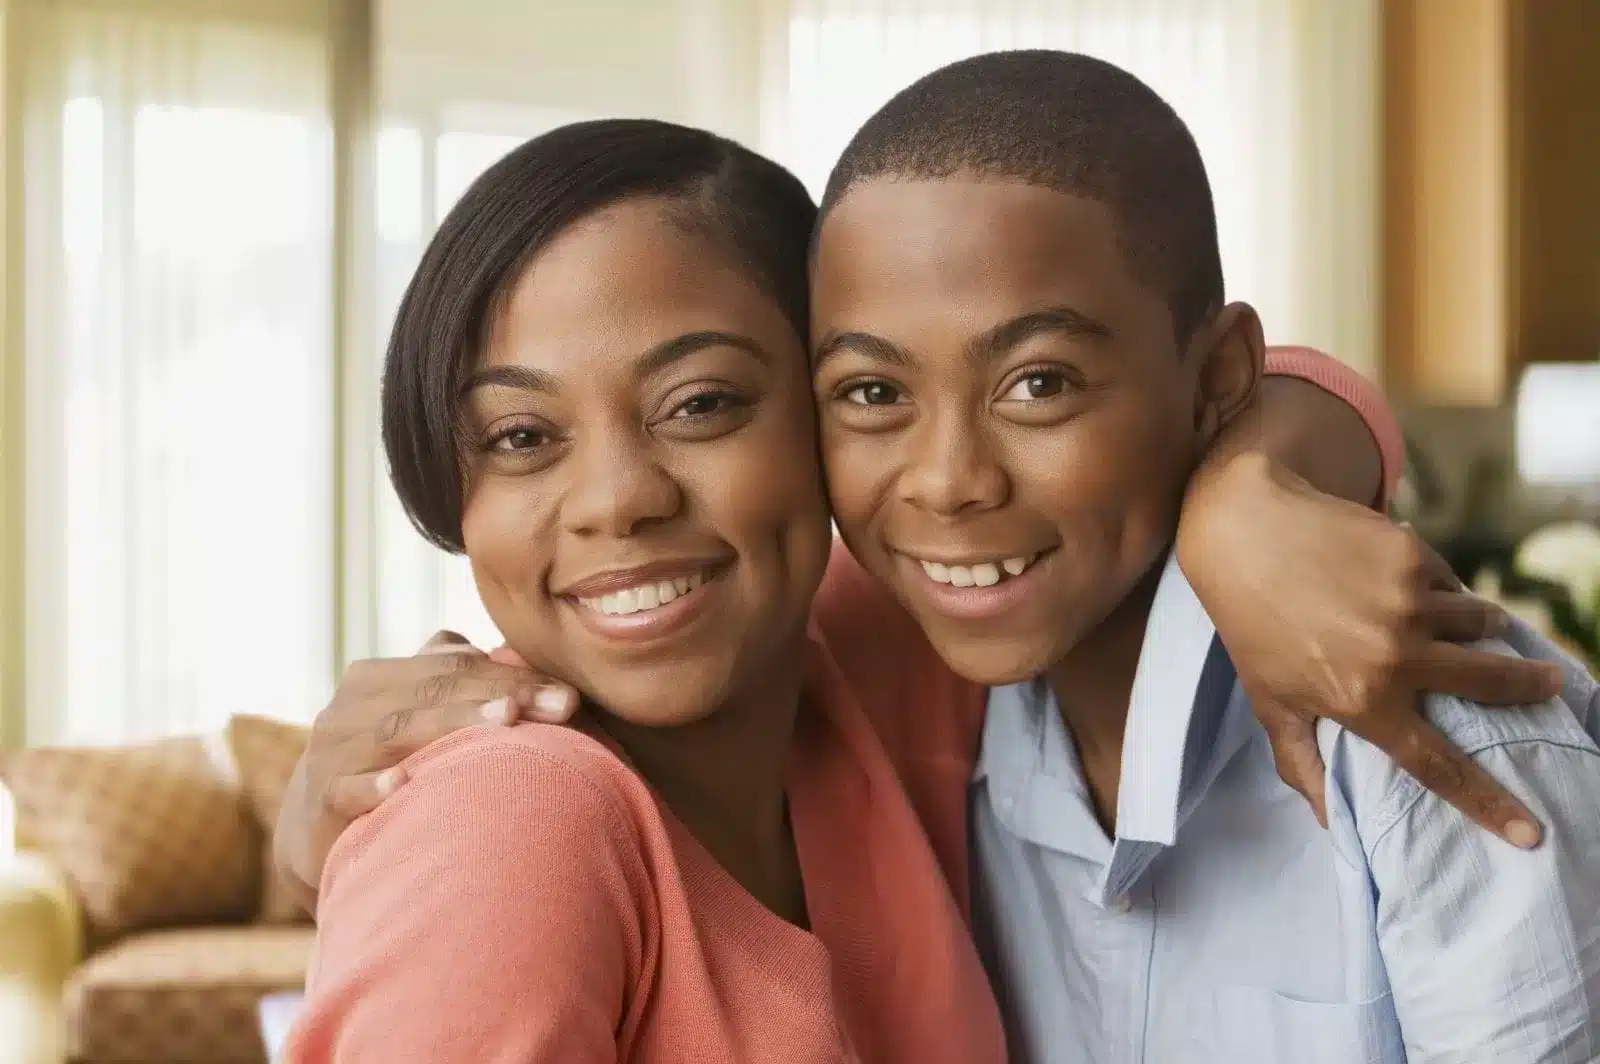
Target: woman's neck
[[723, 778], [1092, 686]]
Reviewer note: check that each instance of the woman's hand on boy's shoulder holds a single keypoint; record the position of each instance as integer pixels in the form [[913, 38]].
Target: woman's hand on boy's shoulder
[[1331, 610], [384, 710]]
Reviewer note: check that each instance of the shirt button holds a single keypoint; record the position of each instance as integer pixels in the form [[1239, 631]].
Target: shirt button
[[1006, 804], [1122, 905]]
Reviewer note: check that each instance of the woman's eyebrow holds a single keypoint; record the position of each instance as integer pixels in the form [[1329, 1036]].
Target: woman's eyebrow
[[664, 354], [654, 360], [523, 378]]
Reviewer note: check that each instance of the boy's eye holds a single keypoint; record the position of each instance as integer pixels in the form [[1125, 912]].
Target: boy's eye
[[873, 393], [1035, 386]]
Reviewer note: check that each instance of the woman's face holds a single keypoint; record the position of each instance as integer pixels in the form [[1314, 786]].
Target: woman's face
[[644, 511]]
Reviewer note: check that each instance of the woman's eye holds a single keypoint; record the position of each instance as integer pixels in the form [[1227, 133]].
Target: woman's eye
[[873, 393], [515, 440], [1035, 386], [703, 405]]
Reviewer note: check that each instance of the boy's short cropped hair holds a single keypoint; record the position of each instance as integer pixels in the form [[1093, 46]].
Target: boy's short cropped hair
[[1068, 122]]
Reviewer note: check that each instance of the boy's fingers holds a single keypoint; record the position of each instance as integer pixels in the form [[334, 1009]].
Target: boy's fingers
[[402, 732], [349, 797], [446, 642], [546, 703], [507, 656]]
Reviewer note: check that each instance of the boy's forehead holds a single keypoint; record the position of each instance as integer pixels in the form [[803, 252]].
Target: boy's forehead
[[987, 244]]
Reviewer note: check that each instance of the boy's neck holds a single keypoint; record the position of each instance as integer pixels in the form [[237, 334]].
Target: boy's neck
[[1092, 687]]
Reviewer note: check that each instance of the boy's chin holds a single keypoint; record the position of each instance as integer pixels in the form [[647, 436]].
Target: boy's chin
[[994, 662]]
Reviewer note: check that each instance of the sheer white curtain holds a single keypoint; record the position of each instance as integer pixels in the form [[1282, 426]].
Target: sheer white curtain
[[178, 201], [1278, 94]]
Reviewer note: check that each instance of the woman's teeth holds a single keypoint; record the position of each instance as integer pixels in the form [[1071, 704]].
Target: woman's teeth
[[645, 596], [984, 574]]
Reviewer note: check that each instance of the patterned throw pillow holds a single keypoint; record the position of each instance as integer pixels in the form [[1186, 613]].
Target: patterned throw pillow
[[154, 835], [265, 752]]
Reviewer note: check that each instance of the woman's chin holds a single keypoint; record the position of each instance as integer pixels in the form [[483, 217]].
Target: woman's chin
[[662, 697]]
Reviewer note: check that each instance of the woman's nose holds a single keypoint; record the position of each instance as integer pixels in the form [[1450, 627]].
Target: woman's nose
[[618, 488]]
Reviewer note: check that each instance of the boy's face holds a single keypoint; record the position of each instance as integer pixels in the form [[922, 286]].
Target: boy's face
[[1007, 422]]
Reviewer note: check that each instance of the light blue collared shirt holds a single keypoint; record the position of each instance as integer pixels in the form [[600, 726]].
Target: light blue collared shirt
[[1222, 925]]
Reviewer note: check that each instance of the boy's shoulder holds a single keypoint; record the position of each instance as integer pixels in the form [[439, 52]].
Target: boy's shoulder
[[1508, 742]]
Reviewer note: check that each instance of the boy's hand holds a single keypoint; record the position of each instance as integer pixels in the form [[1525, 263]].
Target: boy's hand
[[1330, 610], [383, 711]]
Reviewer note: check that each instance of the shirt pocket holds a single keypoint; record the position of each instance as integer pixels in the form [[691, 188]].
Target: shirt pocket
[[1255, 1025]]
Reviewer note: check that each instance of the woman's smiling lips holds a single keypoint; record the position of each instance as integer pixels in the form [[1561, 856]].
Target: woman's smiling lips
[[645, 602], [973, 588]]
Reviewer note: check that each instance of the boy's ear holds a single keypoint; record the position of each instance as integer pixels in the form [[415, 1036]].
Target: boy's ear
[[1231, 350]]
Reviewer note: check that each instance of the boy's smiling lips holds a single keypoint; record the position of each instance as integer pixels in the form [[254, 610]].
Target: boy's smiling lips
[[972, 587]]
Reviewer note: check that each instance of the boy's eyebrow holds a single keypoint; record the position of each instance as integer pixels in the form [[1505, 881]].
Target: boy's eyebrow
[[1000, 340], [991, 344], [874, 347]]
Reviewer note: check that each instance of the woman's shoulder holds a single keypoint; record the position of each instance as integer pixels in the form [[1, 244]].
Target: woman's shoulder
[[530, 767], [544, 795], [522, 850], [559, 748]]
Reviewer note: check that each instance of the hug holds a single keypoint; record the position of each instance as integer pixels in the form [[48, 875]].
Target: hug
[[993, 775]]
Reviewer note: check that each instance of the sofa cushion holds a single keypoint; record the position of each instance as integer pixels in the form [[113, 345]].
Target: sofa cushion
[[183, 996], [149, 836], [265, 752]]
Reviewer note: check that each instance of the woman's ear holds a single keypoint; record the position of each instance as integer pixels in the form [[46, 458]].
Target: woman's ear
[[1231, 350]]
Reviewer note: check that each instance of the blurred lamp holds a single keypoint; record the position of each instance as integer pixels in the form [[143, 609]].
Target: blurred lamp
[[1558, 424]]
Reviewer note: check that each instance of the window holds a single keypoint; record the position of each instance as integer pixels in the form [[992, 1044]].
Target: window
[[180, 380]]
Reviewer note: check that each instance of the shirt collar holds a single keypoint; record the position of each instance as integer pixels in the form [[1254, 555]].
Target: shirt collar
[[1186, 719], [1177, 716]]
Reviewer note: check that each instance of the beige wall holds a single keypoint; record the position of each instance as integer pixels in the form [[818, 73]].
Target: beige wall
[[1555, 235], [11, 428], [1491, 203], [694, 61], [1445, 198]]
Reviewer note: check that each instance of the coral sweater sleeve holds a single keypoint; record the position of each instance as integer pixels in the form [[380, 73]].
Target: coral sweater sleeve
[[1364, 397], [487, 913]]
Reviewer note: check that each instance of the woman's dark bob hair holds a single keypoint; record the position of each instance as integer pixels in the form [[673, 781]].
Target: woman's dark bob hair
[[756, 209]]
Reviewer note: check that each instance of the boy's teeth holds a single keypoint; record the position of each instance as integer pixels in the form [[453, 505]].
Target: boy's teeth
[[645, 596], [984, 574]]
